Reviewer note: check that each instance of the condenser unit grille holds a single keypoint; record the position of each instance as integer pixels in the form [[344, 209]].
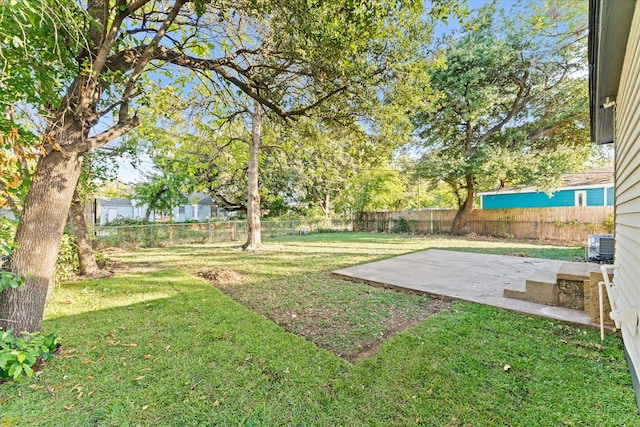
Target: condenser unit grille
[[600, 247]]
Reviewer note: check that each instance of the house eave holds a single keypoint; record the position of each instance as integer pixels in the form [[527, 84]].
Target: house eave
[[609, 26]]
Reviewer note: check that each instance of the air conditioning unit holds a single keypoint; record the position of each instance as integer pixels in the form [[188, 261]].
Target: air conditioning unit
[[600, 247]]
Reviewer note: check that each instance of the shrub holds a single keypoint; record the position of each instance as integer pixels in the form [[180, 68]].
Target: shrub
[[122, 221], [67, 263], [400, 225], [7, 231], [382, 226], [609, 223], [18, 354]]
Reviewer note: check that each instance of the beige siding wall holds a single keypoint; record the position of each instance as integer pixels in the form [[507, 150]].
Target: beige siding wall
[[627, 279]]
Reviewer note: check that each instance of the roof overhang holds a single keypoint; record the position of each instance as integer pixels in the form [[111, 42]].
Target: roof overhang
[[609, 26]]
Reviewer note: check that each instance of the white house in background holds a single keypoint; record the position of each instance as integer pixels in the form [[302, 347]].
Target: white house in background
[[200, 207], [614, 89], [7, 213], [108, 210]]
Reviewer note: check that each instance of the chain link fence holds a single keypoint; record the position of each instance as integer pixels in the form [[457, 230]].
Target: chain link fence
[[169, 234]]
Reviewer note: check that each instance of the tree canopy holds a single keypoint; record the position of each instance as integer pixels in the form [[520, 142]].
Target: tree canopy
[[512, 101], [289, 56]]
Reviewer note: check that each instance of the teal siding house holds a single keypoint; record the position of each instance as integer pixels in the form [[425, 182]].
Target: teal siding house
[[589, 188]]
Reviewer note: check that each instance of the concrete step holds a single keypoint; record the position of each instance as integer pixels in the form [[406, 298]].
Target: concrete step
[[520, 294], [576, 271], [541, 288], [542, 292]]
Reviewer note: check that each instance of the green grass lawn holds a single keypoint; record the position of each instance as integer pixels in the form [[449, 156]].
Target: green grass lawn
[[156, 345]]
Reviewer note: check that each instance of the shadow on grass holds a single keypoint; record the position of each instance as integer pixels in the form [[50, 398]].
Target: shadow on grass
[[121, 290], [199, 358]]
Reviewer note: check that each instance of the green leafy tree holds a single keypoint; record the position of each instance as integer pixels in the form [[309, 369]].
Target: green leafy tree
[[424, 194], [512, 104], [98, 166], [375, 190], [37, 38], [324, 156], [288, 56], [161, 192]]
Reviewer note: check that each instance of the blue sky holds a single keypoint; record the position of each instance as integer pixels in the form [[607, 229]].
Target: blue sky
[[130, 174]]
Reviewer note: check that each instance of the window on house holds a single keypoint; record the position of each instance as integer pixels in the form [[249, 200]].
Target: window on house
[[181, 210], [581, 198]]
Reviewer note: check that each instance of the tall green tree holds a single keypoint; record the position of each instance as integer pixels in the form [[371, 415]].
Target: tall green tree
[[375, 190], [162, 190], [512, 101], [289, 56]]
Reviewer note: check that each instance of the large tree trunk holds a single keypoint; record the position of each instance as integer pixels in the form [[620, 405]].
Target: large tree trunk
[[254, 235], [326, 205], [460, 220], [86, 260], [38, 238]]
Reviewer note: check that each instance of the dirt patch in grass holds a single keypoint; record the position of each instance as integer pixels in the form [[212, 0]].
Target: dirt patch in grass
[[220, 276], [397, 323], [313, 314]]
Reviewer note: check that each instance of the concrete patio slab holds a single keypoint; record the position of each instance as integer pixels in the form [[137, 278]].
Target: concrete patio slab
[[467, 276]]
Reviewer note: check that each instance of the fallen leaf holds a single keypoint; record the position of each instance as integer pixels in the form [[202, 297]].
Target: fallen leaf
[[216, 403], [145, 407], [430, 391], [129, 345], [139, 378], [506, 368], [147, 356], [67, 352], [68, 408], [79, 396]]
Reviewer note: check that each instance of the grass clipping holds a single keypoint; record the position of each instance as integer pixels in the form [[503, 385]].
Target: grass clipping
[[220, 276]]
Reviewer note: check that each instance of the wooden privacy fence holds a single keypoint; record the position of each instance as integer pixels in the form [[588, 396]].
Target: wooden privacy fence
[[566, 224]]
